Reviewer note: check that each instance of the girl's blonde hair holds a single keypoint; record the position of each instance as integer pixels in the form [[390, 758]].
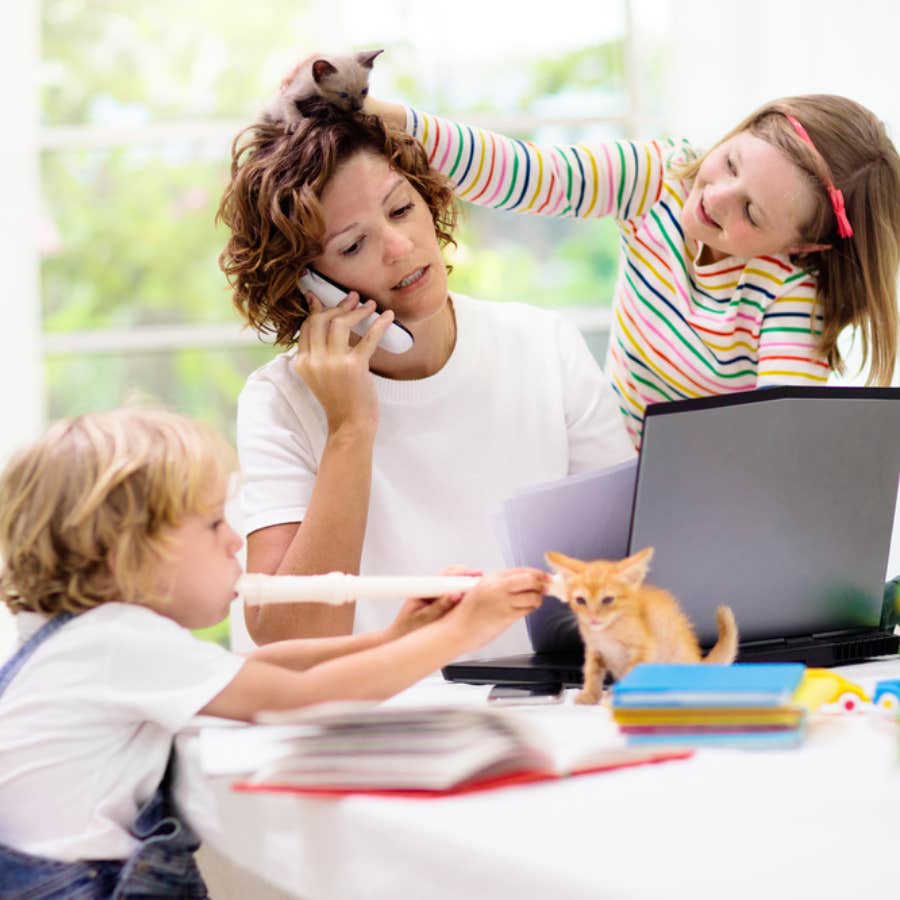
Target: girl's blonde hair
[[857, 277], [85, 511]]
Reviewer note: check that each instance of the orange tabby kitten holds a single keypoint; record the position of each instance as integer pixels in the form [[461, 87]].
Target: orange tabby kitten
[[624, 622]]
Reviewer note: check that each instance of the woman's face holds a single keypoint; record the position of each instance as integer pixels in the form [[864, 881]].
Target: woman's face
[[748, 199], [380, 239]]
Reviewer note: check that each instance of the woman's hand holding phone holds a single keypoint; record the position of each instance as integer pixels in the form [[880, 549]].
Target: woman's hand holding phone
[[396, 339], [334, 370]]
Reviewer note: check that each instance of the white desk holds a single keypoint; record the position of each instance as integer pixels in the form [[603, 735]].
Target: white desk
[[818, 822]]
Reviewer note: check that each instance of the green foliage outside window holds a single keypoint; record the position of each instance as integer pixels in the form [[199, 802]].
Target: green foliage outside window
[[128, 237]]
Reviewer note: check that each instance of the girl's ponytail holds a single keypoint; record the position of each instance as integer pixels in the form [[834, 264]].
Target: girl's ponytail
[[847, 147], [858, 276]]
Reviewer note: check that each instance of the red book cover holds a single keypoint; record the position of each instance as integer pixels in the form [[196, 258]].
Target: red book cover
[[508, 779]]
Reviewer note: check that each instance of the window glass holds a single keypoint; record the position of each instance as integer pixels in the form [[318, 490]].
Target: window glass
[[128, 237], [203, 383], [140, 103], [129, 63]]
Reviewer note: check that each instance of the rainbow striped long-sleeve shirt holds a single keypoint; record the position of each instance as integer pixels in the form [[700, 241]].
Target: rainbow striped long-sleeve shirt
[[679, 329]]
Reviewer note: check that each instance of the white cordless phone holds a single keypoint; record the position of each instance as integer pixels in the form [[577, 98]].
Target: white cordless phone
[[396, 339]]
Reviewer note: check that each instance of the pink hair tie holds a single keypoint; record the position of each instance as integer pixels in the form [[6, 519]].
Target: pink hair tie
[[844, 229]]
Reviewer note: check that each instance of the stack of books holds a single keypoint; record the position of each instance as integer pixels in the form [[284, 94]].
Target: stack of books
[[348, 748], [748, 705]]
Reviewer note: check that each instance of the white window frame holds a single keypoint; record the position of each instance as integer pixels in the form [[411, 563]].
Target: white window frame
[[21, 370]]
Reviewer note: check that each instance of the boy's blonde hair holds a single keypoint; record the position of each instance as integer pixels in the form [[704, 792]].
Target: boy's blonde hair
[[85, 510]]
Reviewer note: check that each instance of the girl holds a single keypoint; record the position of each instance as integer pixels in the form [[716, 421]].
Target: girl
[[741, 266], [391, 462], [115, 543]]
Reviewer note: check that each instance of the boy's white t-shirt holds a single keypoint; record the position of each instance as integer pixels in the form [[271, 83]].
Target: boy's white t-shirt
[[86, 726], [520, 401]]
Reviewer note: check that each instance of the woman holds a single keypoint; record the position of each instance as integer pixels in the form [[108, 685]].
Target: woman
[[393, 463]]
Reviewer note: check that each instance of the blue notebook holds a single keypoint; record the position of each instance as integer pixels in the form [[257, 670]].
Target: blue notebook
[[741, 684], [776, 739]]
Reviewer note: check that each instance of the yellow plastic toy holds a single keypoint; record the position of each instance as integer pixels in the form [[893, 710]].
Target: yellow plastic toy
[[822, 688]]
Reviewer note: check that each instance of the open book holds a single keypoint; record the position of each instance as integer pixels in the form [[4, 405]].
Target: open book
[[339, 748]]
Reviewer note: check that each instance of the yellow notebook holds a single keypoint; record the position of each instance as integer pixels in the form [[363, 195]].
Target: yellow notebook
[[771, 715]]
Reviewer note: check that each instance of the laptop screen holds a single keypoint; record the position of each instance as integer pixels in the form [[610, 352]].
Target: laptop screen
[[778, 503]]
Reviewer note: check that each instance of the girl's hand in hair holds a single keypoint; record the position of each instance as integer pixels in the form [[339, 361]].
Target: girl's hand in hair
[[392, 113], [334, 363]]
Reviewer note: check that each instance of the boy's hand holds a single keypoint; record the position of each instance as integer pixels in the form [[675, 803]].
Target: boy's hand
[[419, 611], [499, 600]]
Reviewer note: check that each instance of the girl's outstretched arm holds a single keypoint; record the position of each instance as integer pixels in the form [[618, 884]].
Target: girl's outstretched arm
[[622, 179]]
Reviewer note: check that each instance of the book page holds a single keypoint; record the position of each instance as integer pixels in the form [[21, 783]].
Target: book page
[[572, 737]]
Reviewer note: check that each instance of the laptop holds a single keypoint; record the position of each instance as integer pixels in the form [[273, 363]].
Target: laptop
[[779, 502]]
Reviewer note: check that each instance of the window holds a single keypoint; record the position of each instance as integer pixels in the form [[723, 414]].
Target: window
[[140, 103]]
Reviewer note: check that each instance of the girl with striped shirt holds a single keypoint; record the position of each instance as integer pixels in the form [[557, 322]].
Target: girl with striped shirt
[[740, 267]]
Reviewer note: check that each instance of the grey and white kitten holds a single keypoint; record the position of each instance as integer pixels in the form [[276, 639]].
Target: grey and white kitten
[[342, 80]]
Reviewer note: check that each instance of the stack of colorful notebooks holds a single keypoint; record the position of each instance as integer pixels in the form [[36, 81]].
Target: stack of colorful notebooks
[[743, 705]]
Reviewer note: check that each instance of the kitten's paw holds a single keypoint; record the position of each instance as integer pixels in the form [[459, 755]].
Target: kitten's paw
[[587, 698]]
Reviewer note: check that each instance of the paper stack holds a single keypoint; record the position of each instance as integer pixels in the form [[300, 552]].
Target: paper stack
[[339, 748], [743, 705]]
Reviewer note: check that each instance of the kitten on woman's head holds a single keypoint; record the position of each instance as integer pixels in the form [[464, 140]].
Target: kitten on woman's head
[[341, 80]]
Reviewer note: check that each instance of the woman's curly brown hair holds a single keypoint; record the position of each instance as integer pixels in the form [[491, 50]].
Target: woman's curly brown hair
[[272, 208]]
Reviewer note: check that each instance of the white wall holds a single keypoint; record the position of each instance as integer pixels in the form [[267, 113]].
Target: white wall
[[20, 369], [729, 57]]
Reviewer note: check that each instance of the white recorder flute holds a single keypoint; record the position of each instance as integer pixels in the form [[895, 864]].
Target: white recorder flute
[[336, 588]]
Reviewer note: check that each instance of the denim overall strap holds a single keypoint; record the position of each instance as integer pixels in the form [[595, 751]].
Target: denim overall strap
[[163, 865], [18, 659]]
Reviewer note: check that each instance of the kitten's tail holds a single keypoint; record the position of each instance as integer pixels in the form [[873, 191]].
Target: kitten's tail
[[725, 649]]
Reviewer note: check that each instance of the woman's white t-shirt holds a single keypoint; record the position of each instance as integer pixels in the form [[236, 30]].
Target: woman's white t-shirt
[[521, 400]]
